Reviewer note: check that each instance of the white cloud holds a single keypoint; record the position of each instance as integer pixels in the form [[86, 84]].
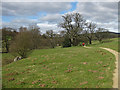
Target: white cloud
[[98, 11], [16, 23], [52, 18], [33, 8], [60, 0], [47, 26], [44, 26], [112, 26], [103, 13]]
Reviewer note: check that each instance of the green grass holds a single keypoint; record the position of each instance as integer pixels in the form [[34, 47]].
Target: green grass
[[61, 68], [109, 43], [7, 58]]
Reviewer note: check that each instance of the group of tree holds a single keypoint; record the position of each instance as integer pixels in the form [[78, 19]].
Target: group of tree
[[8, 35], [76, 30], [22, 42]]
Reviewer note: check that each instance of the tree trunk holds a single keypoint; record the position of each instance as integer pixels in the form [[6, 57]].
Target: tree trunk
[[90, 41], [7, 47], [71, 41]]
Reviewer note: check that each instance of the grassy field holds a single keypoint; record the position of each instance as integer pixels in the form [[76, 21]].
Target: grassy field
[[111, 43], [74, 67]]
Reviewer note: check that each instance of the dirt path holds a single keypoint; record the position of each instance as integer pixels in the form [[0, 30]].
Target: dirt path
[[115, 74], [87, 47]]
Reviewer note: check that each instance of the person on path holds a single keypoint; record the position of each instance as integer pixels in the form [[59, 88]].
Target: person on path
[[83, 44]]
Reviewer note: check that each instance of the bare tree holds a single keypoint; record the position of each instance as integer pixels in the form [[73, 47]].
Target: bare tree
[[22, 44], [89, 31], [35, 36], [62, 33], [51, 38], [101, 33], [73, 24]]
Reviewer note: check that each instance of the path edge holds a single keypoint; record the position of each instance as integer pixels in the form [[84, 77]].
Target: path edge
[[115, 73]]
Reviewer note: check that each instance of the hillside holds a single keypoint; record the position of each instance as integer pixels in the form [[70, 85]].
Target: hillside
[[75, 67], [108, 43]]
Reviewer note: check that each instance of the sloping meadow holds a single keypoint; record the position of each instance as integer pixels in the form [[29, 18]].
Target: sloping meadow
[[75, 67]]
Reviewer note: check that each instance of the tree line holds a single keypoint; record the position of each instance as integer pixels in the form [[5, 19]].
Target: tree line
[[76, 30]]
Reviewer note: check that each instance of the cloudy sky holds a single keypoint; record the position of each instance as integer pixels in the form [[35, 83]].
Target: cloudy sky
[[48, 14]]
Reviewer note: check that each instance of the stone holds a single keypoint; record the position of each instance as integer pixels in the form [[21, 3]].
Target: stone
[[17, 58]]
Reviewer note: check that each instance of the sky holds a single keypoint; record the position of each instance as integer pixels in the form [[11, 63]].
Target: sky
[[47, 15]]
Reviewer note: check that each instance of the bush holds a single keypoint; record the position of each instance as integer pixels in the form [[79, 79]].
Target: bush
[[22, 45], [66, 42]]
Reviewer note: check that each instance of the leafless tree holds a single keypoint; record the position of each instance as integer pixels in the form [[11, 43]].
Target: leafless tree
[[73, 24], [51, 38], [35, 36], [89, 31], [101, 33], [22, 44]]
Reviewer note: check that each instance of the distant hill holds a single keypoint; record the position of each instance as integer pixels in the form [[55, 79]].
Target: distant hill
[[114, 33]]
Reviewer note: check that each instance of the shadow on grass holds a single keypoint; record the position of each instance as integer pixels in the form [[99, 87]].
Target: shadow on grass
[[6, 61]]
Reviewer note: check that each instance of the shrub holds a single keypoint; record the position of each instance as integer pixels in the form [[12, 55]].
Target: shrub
[[66, 42], [22, 45]]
